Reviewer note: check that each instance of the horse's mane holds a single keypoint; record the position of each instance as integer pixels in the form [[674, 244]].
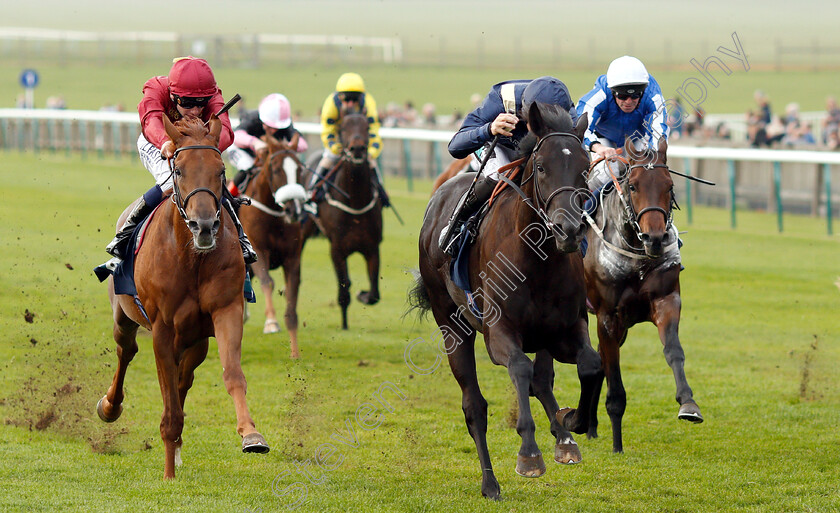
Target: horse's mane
[[192, 127], [556, 119]]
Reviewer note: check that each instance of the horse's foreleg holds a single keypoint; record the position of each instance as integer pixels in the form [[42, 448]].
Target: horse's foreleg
[[339, 261], [227, 323], [371, 297], [610, 336], [542, 384], [172, 420], [190, 360], [666, 316], [125, 333], [291, 270], [588, 368], [260, 268]]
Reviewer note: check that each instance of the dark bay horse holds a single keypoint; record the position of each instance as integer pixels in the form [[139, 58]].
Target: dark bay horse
[[276, 235], [354, 224], [526, 275], [189, 274], [633, 275]]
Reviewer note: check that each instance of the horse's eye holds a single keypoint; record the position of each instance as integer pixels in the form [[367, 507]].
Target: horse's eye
[[177, 171], [540, 168], [632, 187]]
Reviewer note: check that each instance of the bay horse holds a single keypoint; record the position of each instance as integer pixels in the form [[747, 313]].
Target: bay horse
[[276, 235], [189, 275], [633, 275], [526, 274], [353, 224]]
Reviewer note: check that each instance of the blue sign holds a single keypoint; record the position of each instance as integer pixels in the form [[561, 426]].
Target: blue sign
[[29, 78]]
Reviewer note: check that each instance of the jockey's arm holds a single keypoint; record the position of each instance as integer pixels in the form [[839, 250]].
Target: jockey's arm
[[374, 141], [329, 126]]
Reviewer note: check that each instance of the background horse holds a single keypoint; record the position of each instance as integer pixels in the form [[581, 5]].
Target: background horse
[[457, 166], [633, 275], [189, 276], [276, 235], [354, 224], [526, 274]]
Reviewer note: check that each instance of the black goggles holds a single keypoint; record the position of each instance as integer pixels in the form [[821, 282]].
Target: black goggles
[[190, 102], [350, 97], [624, 96]]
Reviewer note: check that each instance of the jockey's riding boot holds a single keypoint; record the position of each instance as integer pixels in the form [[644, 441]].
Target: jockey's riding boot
[[144, 206], [383, 194], [247, 250], [467, 206], [317, 193]]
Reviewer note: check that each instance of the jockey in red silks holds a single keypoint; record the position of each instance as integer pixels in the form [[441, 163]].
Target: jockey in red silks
[[189, 91]]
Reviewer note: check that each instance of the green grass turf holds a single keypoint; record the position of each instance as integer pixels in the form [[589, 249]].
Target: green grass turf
[[759, 327]]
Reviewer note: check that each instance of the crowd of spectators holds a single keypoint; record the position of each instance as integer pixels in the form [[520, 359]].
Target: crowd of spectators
[[768, 130]]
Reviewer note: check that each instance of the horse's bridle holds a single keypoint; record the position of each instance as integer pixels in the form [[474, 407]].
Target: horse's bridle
[[181, 201], [633, 217], [541, 204]]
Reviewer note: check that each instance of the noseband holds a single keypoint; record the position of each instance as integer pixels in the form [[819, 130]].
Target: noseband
[[181, 201], [630, 209]]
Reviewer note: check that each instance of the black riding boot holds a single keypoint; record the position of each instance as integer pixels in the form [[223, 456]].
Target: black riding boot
[[317, 193], [247, 250], [145, 205], [467, 206], [383, 194]]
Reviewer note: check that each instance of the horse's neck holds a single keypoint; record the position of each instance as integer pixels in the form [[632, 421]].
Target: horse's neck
[[356, 181], [260, 187], [617, 226]]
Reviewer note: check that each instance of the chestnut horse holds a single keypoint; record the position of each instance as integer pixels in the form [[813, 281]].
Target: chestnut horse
[[529, 296], [276, 236], [353, 224], [189, 274], [457, 166], [633, 275]]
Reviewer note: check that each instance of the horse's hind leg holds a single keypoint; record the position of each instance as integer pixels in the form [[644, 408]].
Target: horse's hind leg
[[371, 297], [291, 270], [339, 261], [109, 407], [462, 363], [566, 450], [666, 316]]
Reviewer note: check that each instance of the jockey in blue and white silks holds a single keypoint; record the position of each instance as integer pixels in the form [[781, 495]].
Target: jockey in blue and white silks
[[625, 102]]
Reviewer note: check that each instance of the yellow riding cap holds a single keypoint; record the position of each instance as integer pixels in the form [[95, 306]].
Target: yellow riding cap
[[350, 82]]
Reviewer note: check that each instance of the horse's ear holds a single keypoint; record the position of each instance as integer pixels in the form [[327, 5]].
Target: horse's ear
[[535, 119], [171, 131], [215, 127], [663, 146], [582, 125]]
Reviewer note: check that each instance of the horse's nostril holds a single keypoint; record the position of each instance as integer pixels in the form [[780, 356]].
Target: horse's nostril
[[645, 237], [216, 226], [193, 226]]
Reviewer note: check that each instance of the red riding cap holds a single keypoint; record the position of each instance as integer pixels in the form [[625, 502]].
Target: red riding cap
[[191, 77]]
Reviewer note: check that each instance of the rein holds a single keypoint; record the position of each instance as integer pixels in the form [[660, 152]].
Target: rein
[[541, 204], [181, 201]]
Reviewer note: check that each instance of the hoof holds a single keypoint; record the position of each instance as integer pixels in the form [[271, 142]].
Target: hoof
[[255, 443], [491, 490], [367, 298], [100, 410], [690, 412], [567, 452], [271, 326], [530, 466]]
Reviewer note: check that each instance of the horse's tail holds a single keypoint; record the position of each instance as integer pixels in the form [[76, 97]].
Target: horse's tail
[[418, 296]]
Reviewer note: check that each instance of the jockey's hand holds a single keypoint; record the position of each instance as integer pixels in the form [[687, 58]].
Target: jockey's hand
[[167, 149], [604, 151], [503, 124], [258, 144], [261, 156]]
